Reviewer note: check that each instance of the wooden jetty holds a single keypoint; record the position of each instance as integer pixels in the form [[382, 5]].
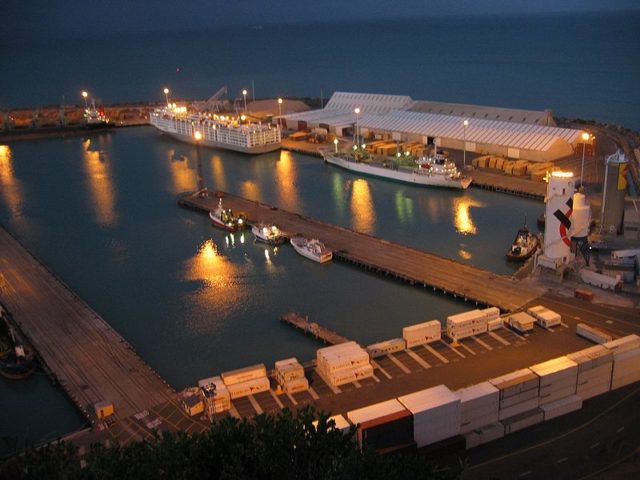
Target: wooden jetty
[[317, 331], [380, 256], [88, 358]]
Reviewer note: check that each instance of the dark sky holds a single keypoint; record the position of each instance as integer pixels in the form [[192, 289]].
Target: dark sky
[[43, 19]]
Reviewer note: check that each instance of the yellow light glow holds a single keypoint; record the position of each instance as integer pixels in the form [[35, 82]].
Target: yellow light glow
[[244, 92], [10, 187], [243, 118], [562, 174], [357, 110], [464, 254], [197, 135], [335, 141], [85, 94], [101, 190], [250, 190], [166, 91], [363, 215], [466, 123], [280, 101], [462, 215], [286, 176], [585, 136]]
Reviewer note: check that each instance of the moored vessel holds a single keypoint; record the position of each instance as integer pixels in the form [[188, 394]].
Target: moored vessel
[[436, 171], [524, 245], [225, 219], [312, 249], [268, 234]]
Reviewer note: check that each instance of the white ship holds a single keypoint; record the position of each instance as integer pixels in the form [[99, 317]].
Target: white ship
[[218, 131], [435, 171], [312, 249], [268, 234]]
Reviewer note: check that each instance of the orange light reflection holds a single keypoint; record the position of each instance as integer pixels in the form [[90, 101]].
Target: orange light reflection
[[10, 187], [362, 211], [286, 179], [183, 175], [102, 194], [462, 215]]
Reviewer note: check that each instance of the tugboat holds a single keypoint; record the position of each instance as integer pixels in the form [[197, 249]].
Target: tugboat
[[524, 245], [312, 249], [226, 220], [268, 234], [16, 359]]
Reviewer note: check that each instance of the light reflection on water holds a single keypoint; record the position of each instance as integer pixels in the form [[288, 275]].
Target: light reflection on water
[[462, 215], [217, 167], [10, 187], [404, 207], [286, 181], [102, 189], [362, 210]]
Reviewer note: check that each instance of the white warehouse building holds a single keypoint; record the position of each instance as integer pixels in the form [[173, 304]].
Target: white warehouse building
[[526, 134]]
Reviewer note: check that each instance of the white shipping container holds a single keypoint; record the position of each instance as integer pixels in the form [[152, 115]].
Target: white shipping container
[[240, 375], [332, 364], [518, 408], [590, 390], [515, 382], [523, 420], [375, 411], [363, 372], [619, 345], [628, 360], [484, 435], [250, 387], [594, 334], [554, 370], [552, 396], [549, 319], [601, 373], [338, 378], [478, 394], [521, 321], [385, 348], [341, 423], [478, 422], [533, 311], [591, 357], [491, 313], [430, 327], [561, 407], [495, 324], [624, 380], [336, 348], [468, 415], [519, 398], [286, 362]]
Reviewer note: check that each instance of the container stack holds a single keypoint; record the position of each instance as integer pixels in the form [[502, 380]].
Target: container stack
[[521, 322], [561, 407], [626, 360], [558, 379], [594, 334], [492, 313], [479, 406], [381, 349], [595, 366], [289, 374], [215, 395], [484, 435], [422, 333], [522, 420], [246, 381], [495, 324], [519, 392], [383, 426], [436, 414], [343, 363], [544, 317], [466, 324]]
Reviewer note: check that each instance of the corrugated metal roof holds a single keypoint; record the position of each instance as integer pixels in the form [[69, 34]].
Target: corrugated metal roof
[[482, 112], [510, 134], [368, 102]]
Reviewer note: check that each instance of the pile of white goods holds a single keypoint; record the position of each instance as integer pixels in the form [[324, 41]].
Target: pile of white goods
[[594, 334], [595, 365], [488, 433], [381, 349], [479, 405], [626, 360], [544, 317], [422, 333], [343, 363], [339, 423], [289, 374], [466, 324], [215, 395], [521, 321], [383, 426], [436, 414], [519, 392], [246, 381]]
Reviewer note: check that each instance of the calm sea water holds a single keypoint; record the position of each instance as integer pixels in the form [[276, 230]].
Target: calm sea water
[[579, 66], [101, 211]]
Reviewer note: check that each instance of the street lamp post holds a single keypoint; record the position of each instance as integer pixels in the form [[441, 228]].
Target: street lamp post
[[166, 95], [244, 96], [357, 134], [335, 142], [279, 110], [197, 135], [465, 124], [85, 95], [585, 137]]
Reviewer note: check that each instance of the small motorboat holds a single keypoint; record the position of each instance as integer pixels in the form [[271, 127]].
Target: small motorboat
[[524, 245], [312, 249], [268, 234], [20, 363], [226, 219]]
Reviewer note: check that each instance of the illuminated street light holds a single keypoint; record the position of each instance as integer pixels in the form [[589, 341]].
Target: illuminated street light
[[280, 107], [585, 137], [244, 95], [465, 124], [335, 142], [85, 95], [357, 135], [166, 96], [197, 135]]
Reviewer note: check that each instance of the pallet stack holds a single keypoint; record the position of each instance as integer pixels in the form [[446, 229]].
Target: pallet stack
[[519, 392], [344, 363], [246, 381], [595, 366], [422, 333], [479, 406], [289, 375], [466, 324], [626, 360]]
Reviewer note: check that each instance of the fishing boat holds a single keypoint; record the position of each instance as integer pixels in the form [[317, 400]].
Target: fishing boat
[[524, 245], [434, 171], [225, 219], [268, 234], [218, 131], [95, 117], [312, 249]]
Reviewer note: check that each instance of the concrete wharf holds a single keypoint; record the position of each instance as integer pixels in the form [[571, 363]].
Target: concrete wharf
[[381, 256], [87, 357], [318, 331]]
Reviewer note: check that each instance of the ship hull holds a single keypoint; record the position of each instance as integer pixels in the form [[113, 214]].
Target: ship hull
[[403, 176], [225, 146]]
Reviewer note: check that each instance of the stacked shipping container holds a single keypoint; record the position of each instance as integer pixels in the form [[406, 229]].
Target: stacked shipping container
[[626, 360], [595, 365], [544, 317], [343, 363], [215, 395], [479, 405], [558, 379], [466, 324], [519, 392], [422, 333], [383, 426], [289, 374], [246, 381], [381, 349]]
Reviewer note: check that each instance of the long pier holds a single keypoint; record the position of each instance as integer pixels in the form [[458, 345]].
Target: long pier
[[88, 358], [318, 331], [380, 256]]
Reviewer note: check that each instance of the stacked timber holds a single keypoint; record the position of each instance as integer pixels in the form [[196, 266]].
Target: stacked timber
[[545, 317], [521, 322], [488, 433], [479, 406], [558, 379], [594, 334], [626, 360], [383, 426], [595, 366], [466, 324], [246, 381], [339, 423], [289, 375], [381, 349], [519, 392], [343, 363], [436, 414], [215, 395], [422, 333]]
